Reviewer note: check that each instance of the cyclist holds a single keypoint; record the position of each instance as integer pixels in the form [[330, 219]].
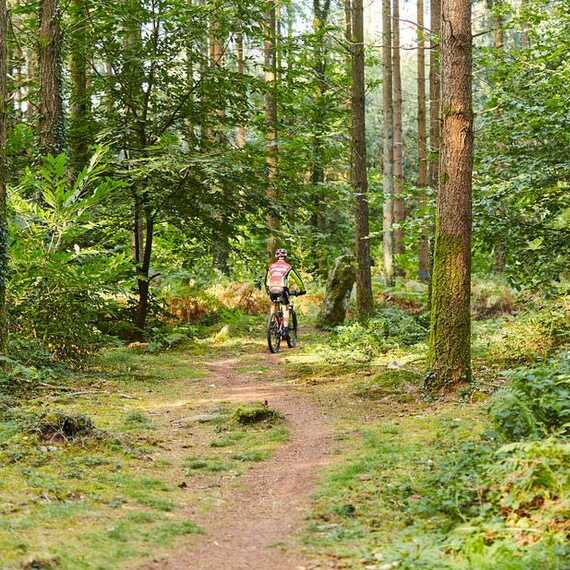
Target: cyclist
[[277, 285]]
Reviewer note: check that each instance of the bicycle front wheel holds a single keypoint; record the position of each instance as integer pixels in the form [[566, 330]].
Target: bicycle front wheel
[[274, 334], [292, 339]]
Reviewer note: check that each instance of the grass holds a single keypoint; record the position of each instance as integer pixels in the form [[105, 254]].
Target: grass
[[98, 502]]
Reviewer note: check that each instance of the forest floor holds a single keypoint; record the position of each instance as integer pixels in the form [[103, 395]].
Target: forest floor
[[177, 472]]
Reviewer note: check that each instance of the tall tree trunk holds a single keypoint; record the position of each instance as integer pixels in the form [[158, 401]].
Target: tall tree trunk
[[434, 93], [190, 135], [143, 281], [31, 76], [500, 250], [270, 55], [79, 133], [450, 334], [359, 174], [388, 155], [241, 130], [434, 111], [321, 10], [221, 246], [51, 127], [4, 102], [399, 210], [423, 243]]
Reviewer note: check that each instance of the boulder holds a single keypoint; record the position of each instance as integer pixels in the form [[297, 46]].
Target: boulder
[[340, 282]]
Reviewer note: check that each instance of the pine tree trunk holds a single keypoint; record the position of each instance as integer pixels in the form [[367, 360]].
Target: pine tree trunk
[[399, 210], [241, 131], [79, 133], [221, 246], [270, 49], [423, 242], [450, 334], [434, 93], [320, 20], [359, 174], [4, 102], [51, 127], [388, 155]]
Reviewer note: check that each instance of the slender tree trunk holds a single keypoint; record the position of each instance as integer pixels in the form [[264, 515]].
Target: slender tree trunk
[[31, 75], [321, 10], [423, 243], [241, 137], [359, 174], [500, 250], [450, 334], [524, 32], [270, 54], [51, 127], [4, 102], [190, 135], [221, 249], [388, 155], [434, 112], [434, 93], [399, 210], [80, 132], [144, 272]]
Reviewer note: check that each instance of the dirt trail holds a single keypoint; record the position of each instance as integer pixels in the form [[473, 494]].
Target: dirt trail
[[256, 525]]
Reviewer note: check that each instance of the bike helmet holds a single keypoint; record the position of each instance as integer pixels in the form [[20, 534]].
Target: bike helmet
[[281, 254]]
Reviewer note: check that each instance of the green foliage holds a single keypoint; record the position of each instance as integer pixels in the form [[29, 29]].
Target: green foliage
[[534, 334], [387, 328], [536, 403], [59, 290]]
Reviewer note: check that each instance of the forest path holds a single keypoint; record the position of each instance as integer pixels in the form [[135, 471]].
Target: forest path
[[257, 522]]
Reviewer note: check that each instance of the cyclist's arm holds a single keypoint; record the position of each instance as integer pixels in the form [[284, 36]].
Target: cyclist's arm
[[265, 280], [296, 279]]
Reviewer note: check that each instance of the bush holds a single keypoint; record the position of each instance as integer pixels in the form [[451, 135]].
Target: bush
[[536, 403], [388, 328], [491, 298], [535, 334]]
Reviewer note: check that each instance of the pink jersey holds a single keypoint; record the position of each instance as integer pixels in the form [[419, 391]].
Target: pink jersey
[[277, 276]]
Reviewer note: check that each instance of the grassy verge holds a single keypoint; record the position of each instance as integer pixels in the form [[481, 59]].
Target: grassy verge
[[109, 465]]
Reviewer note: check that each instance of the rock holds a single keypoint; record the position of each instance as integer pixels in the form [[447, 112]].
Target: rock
[[339, 285]]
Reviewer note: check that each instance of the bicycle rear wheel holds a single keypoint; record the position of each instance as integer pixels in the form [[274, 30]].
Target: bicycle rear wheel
[[274, 334], [292, 339]]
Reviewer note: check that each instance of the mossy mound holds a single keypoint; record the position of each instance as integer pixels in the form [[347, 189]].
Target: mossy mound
[[256, 413], [388, 383], [59, 425]]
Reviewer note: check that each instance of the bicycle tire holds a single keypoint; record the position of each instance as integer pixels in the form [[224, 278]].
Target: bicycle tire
[[273, 334], [292, 339]]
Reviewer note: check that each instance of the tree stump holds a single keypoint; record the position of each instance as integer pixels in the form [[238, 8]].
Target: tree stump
[[339, 285]]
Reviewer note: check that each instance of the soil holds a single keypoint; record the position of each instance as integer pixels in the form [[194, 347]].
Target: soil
[[258, 522]]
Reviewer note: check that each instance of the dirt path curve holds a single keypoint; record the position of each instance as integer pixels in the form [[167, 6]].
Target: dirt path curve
[[255, 527]]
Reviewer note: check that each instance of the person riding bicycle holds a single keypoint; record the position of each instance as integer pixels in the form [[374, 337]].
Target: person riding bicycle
[[277, 285]]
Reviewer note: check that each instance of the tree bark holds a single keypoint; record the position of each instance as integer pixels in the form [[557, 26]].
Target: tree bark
[[4, 102], [398, 208], [79, 133], [241, 130], [51, 126], [270, 56], [321, 9], [423, 242], [434, 93], [450, 333], [388, 153], [359, 174]]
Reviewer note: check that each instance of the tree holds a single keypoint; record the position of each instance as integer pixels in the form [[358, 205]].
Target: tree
[[359, 173], [434, 92], [3, 171], [388, 153], [399, 212], [272, 148], [450, 331], [423, 241], [51, 123], [80, 129]]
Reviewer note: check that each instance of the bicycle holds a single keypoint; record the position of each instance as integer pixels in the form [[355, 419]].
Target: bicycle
[[275, 325]]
